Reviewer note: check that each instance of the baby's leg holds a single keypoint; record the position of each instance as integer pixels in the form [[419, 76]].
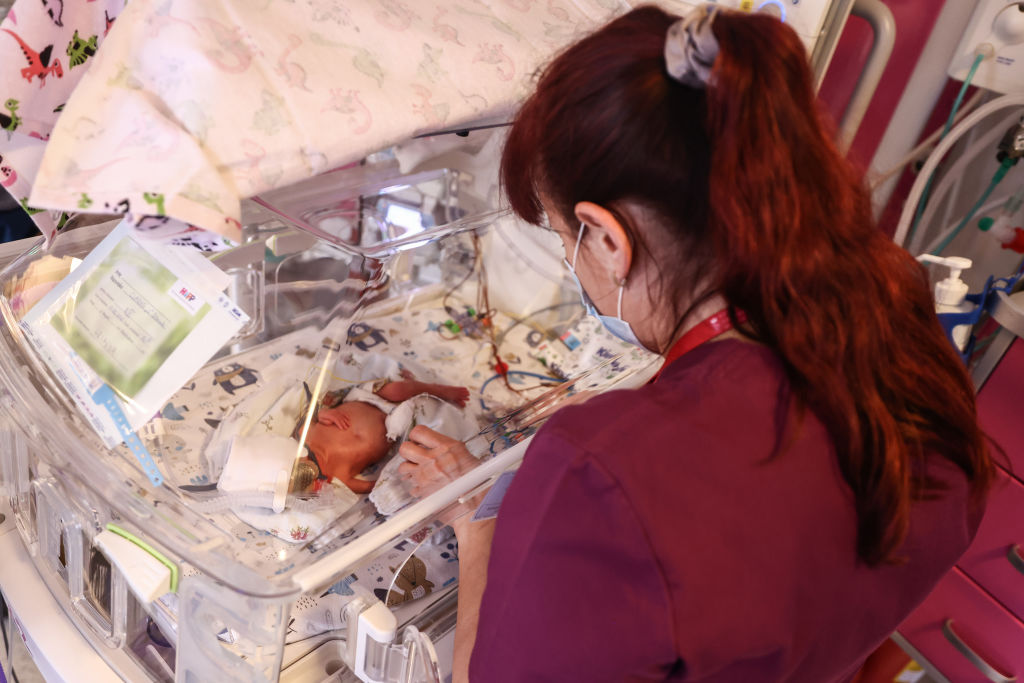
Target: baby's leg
[[406, 389]]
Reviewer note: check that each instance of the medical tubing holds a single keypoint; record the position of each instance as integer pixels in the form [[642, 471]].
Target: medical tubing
[[520, 321], [936, 156], [978, 59], [926, 144], [1000, 173], [954, 174], [989, 206], [535, 375]]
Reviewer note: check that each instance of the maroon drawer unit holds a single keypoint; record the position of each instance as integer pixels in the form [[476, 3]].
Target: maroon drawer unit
[[965, 634], [995, 559], [971, 628], [1000, 408]]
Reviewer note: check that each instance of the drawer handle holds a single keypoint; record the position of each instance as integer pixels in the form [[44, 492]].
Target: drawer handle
[[973, 657], [1015, 558]]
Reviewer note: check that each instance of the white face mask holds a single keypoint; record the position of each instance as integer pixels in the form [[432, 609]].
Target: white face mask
[[616, 326]]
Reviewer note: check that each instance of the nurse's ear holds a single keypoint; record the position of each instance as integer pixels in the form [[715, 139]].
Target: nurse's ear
[[608, 242]]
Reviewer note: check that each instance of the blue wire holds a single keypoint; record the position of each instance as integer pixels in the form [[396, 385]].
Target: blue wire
[[516, 372], [923, 202]]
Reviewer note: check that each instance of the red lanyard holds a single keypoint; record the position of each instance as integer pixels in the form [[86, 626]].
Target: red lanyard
[[705, 330]]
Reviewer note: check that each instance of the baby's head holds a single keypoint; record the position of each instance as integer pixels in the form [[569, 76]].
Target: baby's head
[[346, 439]]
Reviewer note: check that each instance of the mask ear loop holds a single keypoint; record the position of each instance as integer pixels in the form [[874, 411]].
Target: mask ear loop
[[576, 251], [575, 255], [622, 288]]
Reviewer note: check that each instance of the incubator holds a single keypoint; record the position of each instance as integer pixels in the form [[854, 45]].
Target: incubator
[[355, 274]]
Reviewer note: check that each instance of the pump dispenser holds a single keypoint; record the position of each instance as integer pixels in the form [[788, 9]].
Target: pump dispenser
[[951, 293]]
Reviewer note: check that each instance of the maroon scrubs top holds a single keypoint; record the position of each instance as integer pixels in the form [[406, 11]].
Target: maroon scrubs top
[[649, 535]]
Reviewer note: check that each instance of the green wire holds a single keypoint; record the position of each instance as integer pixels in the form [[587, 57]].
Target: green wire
[[923, 202], [1001, 172]]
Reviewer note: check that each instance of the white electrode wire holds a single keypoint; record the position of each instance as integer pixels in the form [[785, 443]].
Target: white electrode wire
[[953, 177], [910, 207], [926, 144], [986, 207]]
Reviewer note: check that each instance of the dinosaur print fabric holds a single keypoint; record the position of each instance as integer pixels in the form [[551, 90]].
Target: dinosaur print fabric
[[201, 103], [45, 49]]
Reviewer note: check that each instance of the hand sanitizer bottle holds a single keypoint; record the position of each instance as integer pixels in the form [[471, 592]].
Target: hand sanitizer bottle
[[950, 294]]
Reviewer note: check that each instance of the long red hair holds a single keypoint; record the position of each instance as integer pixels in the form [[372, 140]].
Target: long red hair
[[757, 200]]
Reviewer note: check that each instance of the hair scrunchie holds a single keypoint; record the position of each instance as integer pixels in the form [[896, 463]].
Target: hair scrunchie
[[691, 47]]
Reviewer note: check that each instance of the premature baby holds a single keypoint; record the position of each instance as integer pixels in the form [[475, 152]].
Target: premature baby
[[271, 446], [348, 434]]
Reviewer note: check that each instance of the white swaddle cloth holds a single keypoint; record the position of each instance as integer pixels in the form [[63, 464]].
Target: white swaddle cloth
[[391, 494]]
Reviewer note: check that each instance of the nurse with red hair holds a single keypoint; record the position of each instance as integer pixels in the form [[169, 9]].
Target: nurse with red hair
[[807, 464]]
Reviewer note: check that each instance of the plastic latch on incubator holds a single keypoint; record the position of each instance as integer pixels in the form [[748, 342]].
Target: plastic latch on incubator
[[375, 629], [149, 574]]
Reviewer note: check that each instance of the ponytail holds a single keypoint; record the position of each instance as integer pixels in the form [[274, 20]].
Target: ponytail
[[848, 311], [746, 177]]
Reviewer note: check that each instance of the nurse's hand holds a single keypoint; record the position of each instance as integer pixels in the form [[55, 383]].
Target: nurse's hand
[[433, 461]]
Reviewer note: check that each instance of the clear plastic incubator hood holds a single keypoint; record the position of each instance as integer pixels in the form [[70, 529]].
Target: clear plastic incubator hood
[[201, 434]]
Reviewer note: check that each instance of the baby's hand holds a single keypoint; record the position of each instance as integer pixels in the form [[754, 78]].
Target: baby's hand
[[335, 418]]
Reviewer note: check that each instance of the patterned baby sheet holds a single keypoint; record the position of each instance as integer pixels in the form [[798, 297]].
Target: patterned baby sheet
[[195, 104], [46, 46], [411, 570]]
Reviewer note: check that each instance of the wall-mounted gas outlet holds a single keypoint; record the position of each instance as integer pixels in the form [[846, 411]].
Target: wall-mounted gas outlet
[[997, 32]]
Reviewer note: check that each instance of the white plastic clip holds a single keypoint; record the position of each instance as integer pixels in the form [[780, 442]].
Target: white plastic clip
[[375, 631]]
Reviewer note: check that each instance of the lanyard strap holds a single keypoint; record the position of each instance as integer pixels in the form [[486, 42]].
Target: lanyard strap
[[705, 330]]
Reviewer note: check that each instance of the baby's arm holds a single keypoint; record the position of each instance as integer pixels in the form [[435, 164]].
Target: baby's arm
[[396, 392]]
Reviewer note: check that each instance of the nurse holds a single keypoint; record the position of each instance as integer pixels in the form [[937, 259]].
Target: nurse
[[806, 466]]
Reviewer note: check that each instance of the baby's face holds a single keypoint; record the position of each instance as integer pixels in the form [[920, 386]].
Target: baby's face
[[348, 438]]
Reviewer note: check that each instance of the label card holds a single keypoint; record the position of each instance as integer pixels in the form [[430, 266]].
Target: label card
[[136, 316]]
